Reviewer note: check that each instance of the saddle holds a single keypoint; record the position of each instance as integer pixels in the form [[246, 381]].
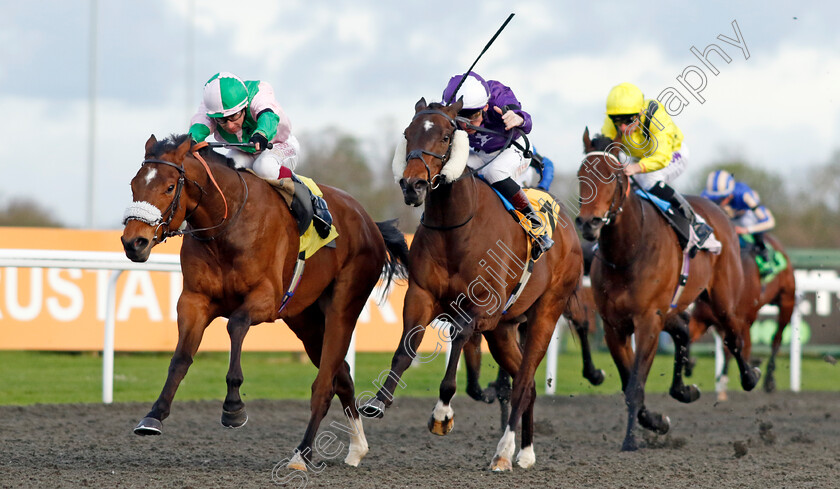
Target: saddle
[[770, 263], [545, 206]]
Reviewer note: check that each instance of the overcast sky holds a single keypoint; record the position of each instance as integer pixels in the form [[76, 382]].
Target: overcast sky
[[361, 65]]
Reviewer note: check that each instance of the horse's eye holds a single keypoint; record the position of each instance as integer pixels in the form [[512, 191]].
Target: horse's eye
[[446, 138], [405, 135], [170, 189]]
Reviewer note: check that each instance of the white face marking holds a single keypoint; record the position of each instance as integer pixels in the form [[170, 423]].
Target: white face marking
[[428, 125], [151, 175]]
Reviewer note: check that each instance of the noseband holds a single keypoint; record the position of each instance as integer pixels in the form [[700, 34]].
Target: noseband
[[434, 182]]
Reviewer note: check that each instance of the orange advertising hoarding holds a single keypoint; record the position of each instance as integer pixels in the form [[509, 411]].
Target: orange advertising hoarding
[[64, 309]]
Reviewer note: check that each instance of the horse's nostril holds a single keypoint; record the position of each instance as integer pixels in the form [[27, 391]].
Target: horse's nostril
[[140, 243]]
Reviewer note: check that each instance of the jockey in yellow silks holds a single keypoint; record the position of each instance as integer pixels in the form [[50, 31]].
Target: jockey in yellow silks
[[654, 144]]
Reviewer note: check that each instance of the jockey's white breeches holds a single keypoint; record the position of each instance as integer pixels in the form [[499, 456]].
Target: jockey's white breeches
[[510, 163], [268, 162], [668, 174]]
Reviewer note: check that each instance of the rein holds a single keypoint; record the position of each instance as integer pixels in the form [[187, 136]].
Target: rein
[[164, 225]]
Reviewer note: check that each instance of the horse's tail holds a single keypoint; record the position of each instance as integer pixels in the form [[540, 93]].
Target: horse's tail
[[396, 265]]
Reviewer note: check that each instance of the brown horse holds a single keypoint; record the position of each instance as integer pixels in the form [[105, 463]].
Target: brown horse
[[466, 259], [779, 291], [635, 276], [238, 258]]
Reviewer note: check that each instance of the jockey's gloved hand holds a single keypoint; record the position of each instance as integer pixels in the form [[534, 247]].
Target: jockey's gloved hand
[[259, 141]]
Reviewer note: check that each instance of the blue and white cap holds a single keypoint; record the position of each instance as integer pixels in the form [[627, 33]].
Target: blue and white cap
[[719, 184]]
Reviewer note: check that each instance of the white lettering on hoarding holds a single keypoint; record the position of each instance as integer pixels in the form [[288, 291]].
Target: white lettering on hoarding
[[68, 289], [36, 294], [139, 293]]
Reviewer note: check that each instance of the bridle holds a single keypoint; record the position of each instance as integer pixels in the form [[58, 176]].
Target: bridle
[[620, 195], [434, 182], [163, 225]]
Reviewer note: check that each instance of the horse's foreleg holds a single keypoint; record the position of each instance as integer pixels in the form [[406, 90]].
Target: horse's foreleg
[[417, 314], [442, 419], [233, 409], [472, 362], [578, 316], [193, 318], [647, 338], [678, 329]]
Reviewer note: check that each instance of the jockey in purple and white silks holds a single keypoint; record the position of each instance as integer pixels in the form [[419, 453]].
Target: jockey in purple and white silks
[[237, 111], [490, 105], [743, 206]]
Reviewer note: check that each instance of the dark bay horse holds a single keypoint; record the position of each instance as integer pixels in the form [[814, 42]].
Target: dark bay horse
[[465, 260], [635, 276], [238, 258], [780, 291]]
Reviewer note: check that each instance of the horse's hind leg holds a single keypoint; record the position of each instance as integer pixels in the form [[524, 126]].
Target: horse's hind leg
[[677, 327], [346, 394], [233, 409], [506, 350], [193, 318], [442, 419], [737, 339]]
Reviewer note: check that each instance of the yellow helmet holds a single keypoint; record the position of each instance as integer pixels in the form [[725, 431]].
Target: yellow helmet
[[625, 98]]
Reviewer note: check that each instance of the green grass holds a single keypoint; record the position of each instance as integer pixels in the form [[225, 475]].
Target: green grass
[[50, 377]]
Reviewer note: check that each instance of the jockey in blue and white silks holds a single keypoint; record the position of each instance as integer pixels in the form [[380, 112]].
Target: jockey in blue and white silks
[[742, 205]]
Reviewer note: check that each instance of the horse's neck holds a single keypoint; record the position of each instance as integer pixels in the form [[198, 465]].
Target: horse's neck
[[451, 205], [623, 238], [207, 208]]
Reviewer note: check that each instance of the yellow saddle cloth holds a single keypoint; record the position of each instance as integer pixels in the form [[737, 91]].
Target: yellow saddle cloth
[[546, 207], [311, 241]]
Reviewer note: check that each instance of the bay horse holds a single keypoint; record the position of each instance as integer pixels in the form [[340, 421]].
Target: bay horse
[[635, 276], [780, 291], [238, 258], [465, 260]]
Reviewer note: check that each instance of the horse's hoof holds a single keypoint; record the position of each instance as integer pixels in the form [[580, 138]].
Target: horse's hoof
[[769, 384], [629, 445], [526, 458], [722, 396], [234, 419], [686, 394], [297, 463], [474, 391], [596, 378], [148, 426], [663, 427], [374, 408], [500, 464], [749, 381], [441, 428]]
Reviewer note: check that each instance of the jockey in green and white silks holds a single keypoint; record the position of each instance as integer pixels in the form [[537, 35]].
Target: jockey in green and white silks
[[238, 111]]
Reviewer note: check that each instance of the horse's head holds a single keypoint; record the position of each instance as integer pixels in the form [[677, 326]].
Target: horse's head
[[435, 151], [603, 185], [156, 191]]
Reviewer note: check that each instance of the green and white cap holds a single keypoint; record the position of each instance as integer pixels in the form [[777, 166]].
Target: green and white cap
[[224, 94]]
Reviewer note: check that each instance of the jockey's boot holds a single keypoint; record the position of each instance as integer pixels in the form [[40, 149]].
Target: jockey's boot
[[542, 242], [678, 202], [761, 249], [321, 219]]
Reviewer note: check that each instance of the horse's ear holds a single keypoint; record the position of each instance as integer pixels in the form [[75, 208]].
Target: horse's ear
[[182, 149], [459, 104], [150, 144], [420, 105], [587, 143]]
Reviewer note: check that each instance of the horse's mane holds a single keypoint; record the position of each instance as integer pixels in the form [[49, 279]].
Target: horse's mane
[[601, 142], [175, 140]]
